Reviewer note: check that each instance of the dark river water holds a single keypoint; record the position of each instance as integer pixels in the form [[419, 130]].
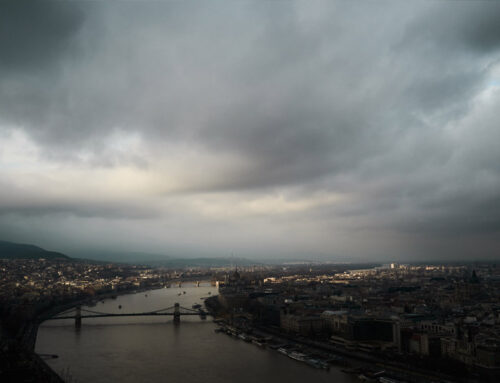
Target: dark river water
[[153, 349]]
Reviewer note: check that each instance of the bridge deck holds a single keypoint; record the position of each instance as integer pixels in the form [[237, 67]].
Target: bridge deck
[[126, 315]]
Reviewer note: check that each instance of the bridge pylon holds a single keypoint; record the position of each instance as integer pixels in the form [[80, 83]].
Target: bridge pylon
[[78, 316], [177, 314]]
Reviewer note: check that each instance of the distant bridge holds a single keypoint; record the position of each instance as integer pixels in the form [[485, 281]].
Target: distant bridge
[[176, 311]]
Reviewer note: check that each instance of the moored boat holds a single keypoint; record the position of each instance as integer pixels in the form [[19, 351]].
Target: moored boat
[[385, 379], [298, 356], [283, 351], [258, 343], [242, 336]]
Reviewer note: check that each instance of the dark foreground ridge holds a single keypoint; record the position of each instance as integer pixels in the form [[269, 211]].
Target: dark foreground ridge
[[18, 363]]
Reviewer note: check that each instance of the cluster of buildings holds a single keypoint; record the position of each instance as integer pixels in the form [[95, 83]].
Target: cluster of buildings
[[438, 315], [29, 281]]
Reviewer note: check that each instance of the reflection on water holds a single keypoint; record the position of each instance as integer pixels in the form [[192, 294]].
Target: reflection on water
[[153, 349]]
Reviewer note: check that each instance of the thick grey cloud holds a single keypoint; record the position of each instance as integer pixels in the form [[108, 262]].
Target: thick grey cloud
[[465, 25], [34, 35], [374, 122]]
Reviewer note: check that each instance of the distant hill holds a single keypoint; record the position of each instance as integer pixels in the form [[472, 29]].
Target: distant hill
[[10, 250], [132, 257], [162, 260], [199, 262]]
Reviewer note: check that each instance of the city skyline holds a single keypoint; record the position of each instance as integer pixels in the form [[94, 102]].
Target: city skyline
[[337, 131]]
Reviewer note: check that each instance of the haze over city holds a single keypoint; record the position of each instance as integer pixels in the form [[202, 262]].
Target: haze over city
[[317, 130]]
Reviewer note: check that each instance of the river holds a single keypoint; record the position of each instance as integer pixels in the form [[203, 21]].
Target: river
[[153, 349]]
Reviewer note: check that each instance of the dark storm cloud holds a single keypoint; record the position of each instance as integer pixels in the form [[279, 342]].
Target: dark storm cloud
[[35, 34], [36, 39], [356, 99], [459, 25]]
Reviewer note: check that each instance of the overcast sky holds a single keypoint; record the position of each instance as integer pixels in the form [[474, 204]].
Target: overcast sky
[[338, 130]]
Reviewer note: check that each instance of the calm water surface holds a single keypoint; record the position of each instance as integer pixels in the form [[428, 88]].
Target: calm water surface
[[153, 349]]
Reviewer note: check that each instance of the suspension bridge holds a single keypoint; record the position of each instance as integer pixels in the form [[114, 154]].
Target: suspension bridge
[[176, 311]]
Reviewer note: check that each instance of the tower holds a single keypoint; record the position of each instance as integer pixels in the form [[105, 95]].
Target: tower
[[177, 314], [78, 317]]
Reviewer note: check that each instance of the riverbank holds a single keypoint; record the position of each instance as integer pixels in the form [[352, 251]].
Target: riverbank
[[359, 363], [406, 372]]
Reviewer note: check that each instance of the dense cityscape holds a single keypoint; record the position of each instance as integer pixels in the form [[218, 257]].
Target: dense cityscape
[[437, 322], [249, 191], [435, 318]]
